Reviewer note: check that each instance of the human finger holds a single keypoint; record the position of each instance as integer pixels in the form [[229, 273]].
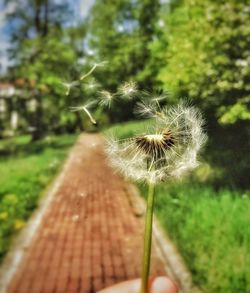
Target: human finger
[[163, 285]]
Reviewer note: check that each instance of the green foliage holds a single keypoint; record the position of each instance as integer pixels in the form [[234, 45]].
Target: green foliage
[[207, 61], [231, 114], [127, 30], [121, 33], [26, 169], [47, 71], [45, 54], [208, 56]]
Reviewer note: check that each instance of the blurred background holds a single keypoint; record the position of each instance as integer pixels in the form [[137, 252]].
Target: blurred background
[[193, 49]]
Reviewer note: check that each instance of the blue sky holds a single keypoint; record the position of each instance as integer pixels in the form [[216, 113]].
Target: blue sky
[[81, 8]]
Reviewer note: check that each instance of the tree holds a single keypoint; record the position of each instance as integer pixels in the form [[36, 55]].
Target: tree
[[120, 32], [42, 52], [208, 55], [207, 61]]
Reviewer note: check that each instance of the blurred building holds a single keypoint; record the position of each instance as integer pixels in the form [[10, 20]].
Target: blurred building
[[15, 102]]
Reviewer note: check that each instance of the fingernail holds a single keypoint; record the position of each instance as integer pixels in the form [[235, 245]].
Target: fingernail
[[163, 285]]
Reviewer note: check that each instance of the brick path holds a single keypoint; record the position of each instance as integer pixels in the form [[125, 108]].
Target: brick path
[[89, 237]]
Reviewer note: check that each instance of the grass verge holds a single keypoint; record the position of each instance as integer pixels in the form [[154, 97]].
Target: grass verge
[[26, 169]]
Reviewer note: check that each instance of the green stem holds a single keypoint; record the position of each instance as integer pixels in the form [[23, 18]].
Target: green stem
[[147, 238]]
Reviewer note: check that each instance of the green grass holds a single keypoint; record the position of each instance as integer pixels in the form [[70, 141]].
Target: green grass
[[26, 169], [125, 130], [211, 229], [209, 226]]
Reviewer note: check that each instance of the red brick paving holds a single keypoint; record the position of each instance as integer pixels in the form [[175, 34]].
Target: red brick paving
[[89, 237]]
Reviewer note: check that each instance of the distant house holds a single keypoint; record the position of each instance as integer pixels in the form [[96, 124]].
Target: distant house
[[10, 95], [7, 90]]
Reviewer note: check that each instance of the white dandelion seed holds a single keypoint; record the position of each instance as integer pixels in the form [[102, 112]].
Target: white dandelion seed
[[69, 86], [103, 63], [166, 152], [150, 106], [148, 109], [85, 108], [92, 85], [128, 89], [158, 98], [106, 98]]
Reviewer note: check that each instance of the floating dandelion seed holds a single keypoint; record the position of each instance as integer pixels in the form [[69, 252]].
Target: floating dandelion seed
[[106, 98], [159, 98], [93, 69], [150, 106], [92, 85], [69, 86], [148, 109], [165, 152], [86, 110], [155, 98], [128, 89]]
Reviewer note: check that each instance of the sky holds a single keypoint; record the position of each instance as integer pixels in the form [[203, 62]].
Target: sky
[[81, 8]]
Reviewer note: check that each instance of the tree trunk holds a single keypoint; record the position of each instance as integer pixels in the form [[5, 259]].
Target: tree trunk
[[37, 16], [46, 18]]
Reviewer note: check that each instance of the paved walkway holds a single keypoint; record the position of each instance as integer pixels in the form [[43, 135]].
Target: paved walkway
[[89, 236]]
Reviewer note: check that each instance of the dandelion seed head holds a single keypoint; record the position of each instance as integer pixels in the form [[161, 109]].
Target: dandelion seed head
[[155, 145], [167, 152]]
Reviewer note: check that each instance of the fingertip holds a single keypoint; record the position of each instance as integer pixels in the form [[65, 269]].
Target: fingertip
[[163, 285]]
